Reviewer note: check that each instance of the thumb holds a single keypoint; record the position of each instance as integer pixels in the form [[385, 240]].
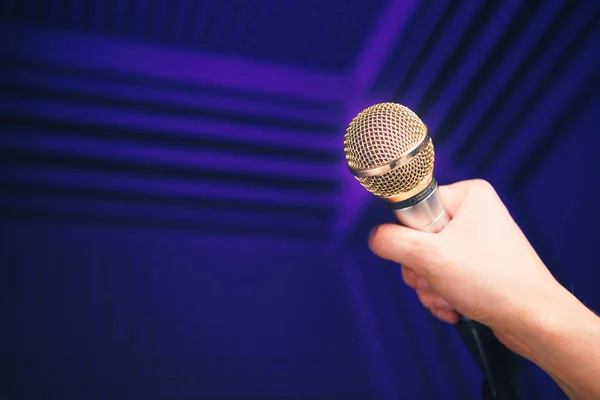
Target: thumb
[[406, 246]]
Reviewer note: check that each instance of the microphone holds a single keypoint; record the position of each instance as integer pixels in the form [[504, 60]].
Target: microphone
[[389, 151]]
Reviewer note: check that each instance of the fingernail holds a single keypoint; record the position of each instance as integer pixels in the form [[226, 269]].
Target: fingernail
[[441, 303], [445, 316], [422, 284]]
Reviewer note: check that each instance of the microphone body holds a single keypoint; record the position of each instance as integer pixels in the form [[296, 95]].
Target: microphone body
[[423, 212]]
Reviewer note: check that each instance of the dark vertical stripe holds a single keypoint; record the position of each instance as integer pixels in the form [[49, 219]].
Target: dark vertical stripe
[[471, 34], [425, 51]]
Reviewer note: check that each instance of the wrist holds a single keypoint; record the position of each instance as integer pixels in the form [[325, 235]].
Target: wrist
[[550, 324], [567, 347], [556, 334], [533, 327]]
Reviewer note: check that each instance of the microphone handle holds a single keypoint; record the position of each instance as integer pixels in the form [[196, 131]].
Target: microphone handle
[[498, 364]]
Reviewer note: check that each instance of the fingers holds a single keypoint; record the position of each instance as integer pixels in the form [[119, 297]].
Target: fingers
[[430, 300], [450, 317], [406, 246], [438, 306], [414, 280]]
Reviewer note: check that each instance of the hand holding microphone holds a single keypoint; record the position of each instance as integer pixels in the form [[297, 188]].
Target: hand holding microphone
[[481, 264]]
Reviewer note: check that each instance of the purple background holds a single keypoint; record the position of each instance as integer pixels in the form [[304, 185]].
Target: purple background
[[177, 218]]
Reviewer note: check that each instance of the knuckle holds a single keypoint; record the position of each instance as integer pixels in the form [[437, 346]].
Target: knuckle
[[485, 192], [483, 186]]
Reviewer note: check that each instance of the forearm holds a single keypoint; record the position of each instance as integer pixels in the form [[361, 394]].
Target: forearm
[[563, 339]]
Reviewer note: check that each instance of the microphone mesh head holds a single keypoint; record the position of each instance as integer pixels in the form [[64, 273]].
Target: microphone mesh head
[[381, 134]]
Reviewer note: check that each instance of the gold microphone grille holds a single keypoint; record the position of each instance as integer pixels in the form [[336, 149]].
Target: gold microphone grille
[[381, 134]]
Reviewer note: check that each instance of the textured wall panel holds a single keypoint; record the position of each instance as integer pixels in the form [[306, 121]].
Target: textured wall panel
[[101, 313], [100, 138], [171, 176], [298, 33]]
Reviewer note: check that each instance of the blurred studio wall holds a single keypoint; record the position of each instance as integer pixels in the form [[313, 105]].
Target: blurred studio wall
[[177, 218]]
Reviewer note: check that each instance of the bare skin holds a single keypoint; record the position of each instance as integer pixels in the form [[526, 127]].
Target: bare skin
[[482, 266]]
